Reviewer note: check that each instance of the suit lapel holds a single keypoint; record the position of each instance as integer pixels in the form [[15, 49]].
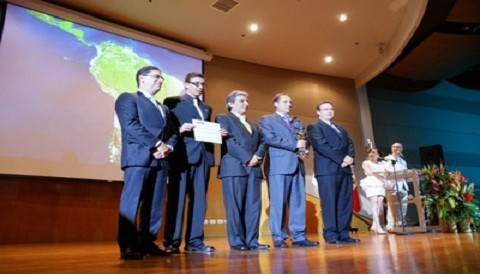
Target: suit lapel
[[252, 125], [238, 123], [203, 109], [341, 132], [188, 101], [332, 131], [280, 120], [144, 101]]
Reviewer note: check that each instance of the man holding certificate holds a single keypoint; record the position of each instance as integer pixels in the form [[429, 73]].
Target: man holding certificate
[[190, 170], [240, 170]]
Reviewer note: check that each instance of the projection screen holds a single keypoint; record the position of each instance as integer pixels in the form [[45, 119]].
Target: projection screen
[[59, 80]]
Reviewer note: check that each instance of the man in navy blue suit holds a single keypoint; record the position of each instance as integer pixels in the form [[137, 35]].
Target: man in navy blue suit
[[147, 140], [240, 170], [334, 154], [190, 170], [286, 173]]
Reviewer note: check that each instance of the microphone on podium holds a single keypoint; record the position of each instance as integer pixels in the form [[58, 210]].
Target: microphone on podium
[[385, 159]]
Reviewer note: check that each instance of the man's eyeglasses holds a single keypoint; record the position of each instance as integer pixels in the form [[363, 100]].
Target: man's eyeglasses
[[327, 109], [197, 84], [156, 76]]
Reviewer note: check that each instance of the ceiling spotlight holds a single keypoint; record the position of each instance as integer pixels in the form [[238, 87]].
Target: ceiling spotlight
[[343, 17], [328, 59], [253, 27]]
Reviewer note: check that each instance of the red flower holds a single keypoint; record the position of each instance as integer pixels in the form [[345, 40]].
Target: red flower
[[467, 197]]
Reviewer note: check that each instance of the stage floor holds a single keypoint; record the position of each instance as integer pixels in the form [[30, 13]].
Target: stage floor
[[417, 253]]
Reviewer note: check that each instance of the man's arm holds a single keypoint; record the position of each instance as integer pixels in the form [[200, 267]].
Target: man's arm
[[127, 113], [235, 148], [321, 145], [272, 138]]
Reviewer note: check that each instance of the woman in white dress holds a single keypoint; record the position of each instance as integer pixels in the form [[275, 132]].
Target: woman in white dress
[[374, 187]]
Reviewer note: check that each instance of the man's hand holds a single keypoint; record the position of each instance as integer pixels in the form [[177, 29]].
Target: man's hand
[[162, 151], [187, 127], [254, 161], [303, 156], [223, 132], [347, 161]]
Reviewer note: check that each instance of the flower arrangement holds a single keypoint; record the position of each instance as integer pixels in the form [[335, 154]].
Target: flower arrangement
[[450, 196]]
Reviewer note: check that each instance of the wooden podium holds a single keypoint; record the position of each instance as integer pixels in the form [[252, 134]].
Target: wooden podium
[[409, 175]]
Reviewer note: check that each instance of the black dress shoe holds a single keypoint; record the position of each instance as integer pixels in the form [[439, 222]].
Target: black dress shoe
[[240, 247], [280, 244], [349, 241], [200, 248], [304, 243], [152, 249], [130, 254], [172, 249], [332, 242], [259, 247]]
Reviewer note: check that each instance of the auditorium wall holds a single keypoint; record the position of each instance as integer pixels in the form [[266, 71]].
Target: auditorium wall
[[38, 209], [445, 115]]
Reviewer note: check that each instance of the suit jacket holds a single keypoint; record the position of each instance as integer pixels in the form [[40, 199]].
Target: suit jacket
[[239, 147], [142, 126], [281, 142], [330, 148], [189, 151]]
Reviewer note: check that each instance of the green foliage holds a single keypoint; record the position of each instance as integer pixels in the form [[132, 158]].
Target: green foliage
[[450, 196]]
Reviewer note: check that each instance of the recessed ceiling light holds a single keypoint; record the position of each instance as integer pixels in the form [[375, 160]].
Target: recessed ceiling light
[[328, 59], [253, 27], [343, 17]]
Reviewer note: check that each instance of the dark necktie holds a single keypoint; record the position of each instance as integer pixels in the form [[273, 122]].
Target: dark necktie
[[195, 103]]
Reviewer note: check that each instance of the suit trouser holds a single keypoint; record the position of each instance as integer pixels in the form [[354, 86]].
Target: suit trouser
[[142, 194], [393, 208], [191, 183], [243, 205], [287, 191], [336, 200]]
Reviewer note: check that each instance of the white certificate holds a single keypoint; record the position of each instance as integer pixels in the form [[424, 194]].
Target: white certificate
[[206, 131]]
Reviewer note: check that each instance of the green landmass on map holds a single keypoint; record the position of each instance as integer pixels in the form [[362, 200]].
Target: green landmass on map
[[114, 68]]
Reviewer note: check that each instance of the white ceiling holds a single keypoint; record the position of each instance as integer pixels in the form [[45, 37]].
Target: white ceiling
[[293, 34]]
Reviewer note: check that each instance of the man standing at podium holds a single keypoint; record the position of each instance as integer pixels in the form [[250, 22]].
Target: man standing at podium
[[396, 163]]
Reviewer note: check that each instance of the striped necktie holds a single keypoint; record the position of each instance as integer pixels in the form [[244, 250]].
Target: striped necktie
[[289, 122]]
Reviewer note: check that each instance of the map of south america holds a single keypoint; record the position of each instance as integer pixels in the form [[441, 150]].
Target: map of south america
[[113, 67]]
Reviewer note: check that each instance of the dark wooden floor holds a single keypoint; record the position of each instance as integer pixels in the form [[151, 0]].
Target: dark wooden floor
[[417, 253]]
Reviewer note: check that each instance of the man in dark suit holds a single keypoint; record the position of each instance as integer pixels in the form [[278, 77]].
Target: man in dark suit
[[334, 154], [147, 140], [190, 170], [286, 173], [241, 174]]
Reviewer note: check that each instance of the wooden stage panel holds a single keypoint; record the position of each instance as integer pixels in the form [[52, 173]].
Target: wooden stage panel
[[417, 253]]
